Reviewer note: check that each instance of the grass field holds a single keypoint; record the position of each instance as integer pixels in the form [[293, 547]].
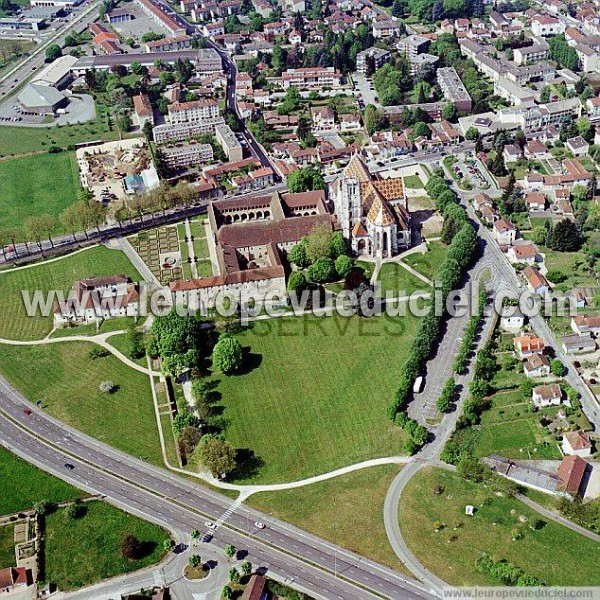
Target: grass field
[[123, 344], [39, 184], [58, 275], [340, 511], [13, 50], [571, 264], [395, 278], [23, 485], [67, 381], [7, 546], [553, 554], [427, 264], [315, 392], [413, 182], [83, 551], [21, 140]]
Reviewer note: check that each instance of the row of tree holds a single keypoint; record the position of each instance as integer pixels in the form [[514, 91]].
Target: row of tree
[[466, 346]]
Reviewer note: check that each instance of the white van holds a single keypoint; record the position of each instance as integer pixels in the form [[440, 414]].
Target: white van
[[418, 385]]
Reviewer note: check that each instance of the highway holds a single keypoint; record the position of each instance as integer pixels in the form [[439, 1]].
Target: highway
[[305, 561]]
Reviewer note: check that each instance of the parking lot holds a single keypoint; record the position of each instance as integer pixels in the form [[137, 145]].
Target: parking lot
[[468, 170], [364, 91]]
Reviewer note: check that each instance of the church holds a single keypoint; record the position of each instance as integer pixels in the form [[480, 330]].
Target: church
[[372, 211]]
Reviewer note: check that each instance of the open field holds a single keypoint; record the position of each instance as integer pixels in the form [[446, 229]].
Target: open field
[[23, 485], [395, 278], [340, 511], [571, 264], [427, 264], [67, 382], [83, 551], [314, 394], [7, 546], [38, 184], [20, 140], [13, 50], [413, 182], [58, 275], [553, 554]]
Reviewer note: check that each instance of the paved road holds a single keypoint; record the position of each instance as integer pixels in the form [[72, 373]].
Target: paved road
[[24, 69], [305, 561]]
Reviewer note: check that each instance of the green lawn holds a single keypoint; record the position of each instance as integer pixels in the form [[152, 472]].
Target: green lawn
[[23, 485], [21, 140], [13, 50], [572, 264], [340, 511], [67, 381], [39, 184], [553, 554], [123, 344], [428, 264], [82, 551], [395, 278], [204, 268], [58, 275], [316, 393], [413, 182], [116, 324], [7, 546]]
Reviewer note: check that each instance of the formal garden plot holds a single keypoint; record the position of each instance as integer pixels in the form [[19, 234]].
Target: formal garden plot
[[160, 249]]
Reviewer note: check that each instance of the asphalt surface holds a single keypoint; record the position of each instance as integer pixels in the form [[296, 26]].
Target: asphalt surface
[[303, 560]]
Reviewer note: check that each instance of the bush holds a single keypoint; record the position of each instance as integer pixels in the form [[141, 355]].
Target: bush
[[322, 271], [227, 355], [98, 352], [343, 265], [108, 387]]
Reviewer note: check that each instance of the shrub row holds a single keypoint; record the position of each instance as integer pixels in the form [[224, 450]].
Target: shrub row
[[447, 396], [505, 572]]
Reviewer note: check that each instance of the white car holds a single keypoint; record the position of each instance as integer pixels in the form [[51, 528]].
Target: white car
[[210, 525], [259, 525]]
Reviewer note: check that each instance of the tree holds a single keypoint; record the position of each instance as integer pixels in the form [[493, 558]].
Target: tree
[[227, 355], [217, 455], [195, 561], [305, 180], [449, 113], [230, 550], [343, 265], [565, 237], [70, 219], [76, 510], [246, 568], [322, 270], [298, 255], [318, 242], [131, 547], [227, 592], [557, 367], [545, 94], [234, 575], [337, 245], [53, 51], [34, 229], [297, 281]]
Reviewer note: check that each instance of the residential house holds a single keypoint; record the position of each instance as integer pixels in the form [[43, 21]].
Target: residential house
[[527, 345], [584, 296], [536, 282], [14, 578], [576, 443], [571, 474], [323, 118], [535, 201], [536, 150], [387, 28], [578, 146], [512, 319], [524, 254], [537, 365], [350, 122], [586, 324], [512, 153], [546, 395], [504, 232], [545, 25], [142, 110]]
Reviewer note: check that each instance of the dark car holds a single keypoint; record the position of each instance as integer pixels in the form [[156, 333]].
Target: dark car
[[69, 466]]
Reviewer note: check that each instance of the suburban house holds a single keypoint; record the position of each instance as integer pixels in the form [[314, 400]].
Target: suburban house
[[98, 298], [527, 345], [14, 578], [511, 153], [536, 282], [323, 118], [584, 296], [512, 319], [504, 232], [573, 343], [546, 395], [537, 365], [576, 443], [571, 473], [586, 324], [535, 201], [578, 146], [526, 253]]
